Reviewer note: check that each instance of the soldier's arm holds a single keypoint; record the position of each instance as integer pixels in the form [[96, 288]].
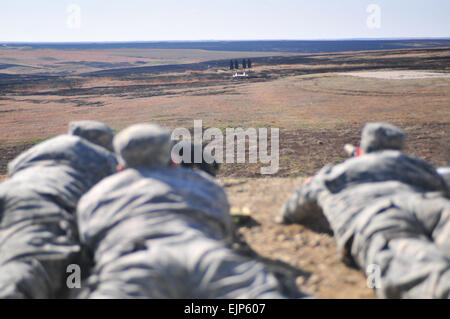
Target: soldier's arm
[[303, 200]]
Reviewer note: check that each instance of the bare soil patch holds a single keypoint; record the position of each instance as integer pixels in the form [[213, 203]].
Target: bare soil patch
[[308, 248], [399, 75], [8, 153]]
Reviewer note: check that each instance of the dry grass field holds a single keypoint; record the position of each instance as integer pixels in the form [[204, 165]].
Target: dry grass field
[[73, 62], [315, 100]]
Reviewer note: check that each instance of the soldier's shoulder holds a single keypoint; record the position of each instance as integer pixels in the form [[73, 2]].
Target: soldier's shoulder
[[179, 174], [105, 186], [187, 181], [384, 157], [383, 160], [45, 150]]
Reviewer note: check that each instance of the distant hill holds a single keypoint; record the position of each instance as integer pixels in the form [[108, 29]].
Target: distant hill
[[313, 46]]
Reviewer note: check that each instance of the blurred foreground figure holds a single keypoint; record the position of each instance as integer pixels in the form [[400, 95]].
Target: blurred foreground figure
[[389, 212], [93, 131], [38, 234], [156, 231]]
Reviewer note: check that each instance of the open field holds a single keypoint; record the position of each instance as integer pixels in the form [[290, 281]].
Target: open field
[[73, 62], [314, 98]]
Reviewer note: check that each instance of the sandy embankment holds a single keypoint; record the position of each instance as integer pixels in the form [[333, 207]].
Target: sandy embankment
[[398, 75]]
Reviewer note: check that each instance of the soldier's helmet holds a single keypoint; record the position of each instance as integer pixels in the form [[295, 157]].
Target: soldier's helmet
[[143, 145], [378, 136], [93, 131]]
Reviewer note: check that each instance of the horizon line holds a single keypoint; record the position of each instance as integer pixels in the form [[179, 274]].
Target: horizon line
[[227, 40]]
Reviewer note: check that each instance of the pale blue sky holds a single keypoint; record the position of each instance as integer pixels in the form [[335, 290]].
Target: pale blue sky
[[147, 20]]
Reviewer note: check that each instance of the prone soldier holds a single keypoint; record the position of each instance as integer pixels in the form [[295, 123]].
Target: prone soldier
[[159, 231], [38, 234], [386, 209]]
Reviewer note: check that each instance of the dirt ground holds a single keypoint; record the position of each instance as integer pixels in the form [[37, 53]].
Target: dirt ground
[[316, 107], [309, 249], [399, 75]]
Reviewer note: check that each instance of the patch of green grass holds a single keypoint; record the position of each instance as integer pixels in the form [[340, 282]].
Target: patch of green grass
[[35, 140], [32, 141]]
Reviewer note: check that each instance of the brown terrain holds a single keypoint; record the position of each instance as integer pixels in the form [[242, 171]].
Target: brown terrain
[[318, 101]]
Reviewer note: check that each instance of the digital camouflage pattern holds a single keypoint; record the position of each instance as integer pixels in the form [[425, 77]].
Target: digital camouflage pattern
[[163, 232], [386, 209], [93, 131], [38, 233], [377, 136], [143, 145]]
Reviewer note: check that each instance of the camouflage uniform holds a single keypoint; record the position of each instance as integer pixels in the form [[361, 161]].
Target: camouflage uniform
[[386, 209], [161, 232], [93, 131], [38, 235]]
